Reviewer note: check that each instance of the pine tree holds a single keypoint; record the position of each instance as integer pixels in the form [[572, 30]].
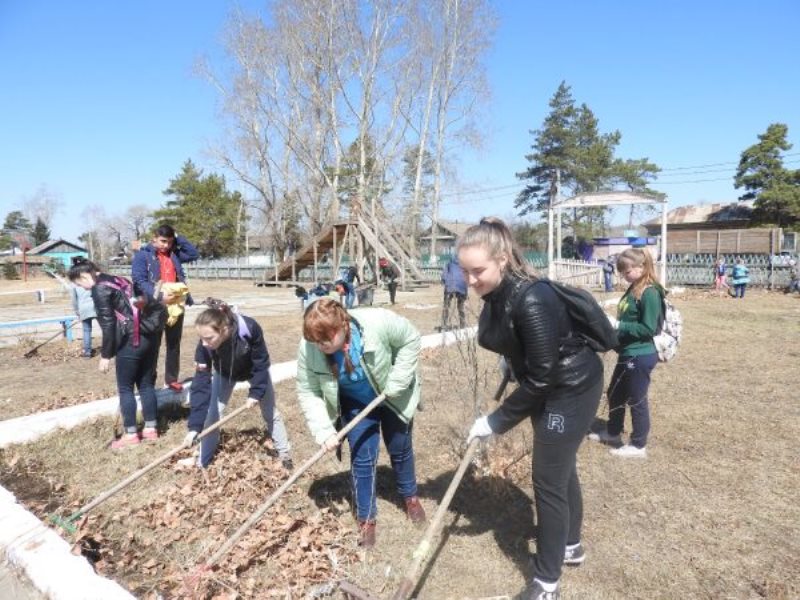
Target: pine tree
[[203, 210], [41, 232], [761, 172]]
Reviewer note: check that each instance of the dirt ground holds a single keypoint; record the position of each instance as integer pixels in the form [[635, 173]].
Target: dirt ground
[[711, 513]]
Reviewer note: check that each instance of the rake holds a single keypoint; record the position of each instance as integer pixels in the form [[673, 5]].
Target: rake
[[68, 523], [256, 516]]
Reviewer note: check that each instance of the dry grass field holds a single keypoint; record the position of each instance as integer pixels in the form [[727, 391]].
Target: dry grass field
[[711, 513]]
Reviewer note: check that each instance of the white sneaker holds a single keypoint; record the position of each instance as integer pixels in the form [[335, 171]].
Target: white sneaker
[[603, 437], [628, 451]]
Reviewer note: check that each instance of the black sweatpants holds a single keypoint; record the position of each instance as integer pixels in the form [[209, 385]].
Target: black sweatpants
[[558, 432], [172, 355]]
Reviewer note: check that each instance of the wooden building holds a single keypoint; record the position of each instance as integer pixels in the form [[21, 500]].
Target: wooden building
[[720, 229]]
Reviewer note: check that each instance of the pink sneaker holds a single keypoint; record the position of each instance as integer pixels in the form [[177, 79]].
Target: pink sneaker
[[126, 441], [149, 434]]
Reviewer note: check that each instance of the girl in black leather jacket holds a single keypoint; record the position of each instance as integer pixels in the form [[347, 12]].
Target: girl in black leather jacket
[[131, 330], [560, 384]]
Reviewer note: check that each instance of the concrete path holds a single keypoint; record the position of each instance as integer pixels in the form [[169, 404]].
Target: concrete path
[[15, 585]]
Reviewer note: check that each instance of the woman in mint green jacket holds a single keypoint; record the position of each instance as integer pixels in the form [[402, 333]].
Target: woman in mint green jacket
[[345, 360]]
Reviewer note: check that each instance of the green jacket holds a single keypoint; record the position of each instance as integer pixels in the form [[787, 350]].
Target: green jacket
[[639, 321], [390, 360]]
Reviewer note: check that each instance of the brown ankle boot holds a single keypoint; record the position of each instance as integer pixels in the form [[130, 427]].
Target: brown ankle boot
[[414, 510], [366, 530]]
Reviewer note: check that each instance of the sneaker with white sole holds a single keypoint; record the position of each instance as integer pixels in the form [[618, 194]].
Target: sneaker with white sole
[[604, 437], [535, 591], [574, 555], [628, 451]]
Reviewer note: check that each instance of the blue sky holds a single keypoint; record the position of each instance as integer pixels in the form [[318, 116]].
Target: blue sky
[[98, 101]]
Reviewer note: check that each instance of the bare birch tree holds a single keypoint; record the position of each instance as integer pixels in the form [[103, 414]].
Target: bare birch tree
[[467, 30]]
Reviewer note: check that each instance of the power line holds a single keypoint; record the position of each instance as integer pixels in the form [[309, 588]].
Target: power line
[[518, 186], [732, 162]]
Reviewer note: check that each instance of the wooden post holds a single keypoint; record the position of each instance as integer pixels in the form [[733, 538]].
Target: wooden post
[[336, 248]]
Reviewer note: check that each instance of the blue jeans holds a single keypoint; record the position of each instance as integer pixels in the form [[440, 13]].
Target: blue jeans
[[136, 368], [363, 440], [738, 290], [221, 390], [629, 385], [350, 299], [87, 336]]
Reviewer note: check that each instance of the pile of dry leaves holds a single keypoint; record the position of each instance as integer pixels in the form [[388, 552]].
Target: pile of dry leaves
[[157, 549]]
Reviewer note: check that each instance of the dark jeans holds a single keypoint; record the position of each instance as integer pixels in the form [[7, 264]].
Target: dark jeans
[[364, 441], [629, 385], [558, 432], [738, 290], [135, 368], [448, 298], [392, 285], [172, 355]]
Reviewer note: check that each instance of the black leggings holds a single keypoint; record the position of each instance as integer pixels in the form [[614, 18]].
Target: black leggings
[[558, 432]]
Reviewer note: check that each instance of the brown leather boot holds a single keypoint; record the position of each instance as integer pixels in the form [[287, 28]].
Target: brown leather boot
[[366, 530], [414, 510]]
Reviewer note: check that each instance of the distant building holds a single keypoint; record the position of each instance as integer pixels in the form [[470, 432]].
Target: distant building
[[704, 216], [60, 250], [447, 234], [720, 229]]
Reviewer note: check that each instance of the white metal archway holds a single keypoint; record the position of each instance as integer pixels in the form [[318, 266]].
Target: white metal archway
[[597, 199]]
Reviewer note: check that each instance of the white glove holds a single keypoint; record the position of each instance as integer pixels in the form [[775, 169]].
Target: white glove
[[251, 402], [189, 439], [480, 429]]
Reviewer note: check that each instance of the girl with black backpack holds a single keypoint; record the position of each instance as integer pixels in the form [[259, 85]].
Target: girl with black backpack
[[560, 383], [131, 330]]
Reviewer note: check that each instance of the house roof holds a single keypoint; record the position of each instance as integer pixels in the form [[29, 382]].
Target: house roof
[[48, 245], [453, 228], [707, 213]]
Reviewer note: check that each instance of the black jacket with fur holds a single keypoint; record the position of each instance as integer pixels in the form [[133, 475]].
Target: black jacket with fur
[[528, 324]]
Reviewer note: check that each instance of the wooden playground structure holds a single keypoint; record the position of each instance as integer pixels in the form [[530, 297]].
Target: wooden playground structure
[[364, 240]]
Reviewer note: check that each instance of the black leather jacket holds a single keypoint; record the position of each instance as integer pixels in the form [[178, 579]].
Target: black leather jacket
[[108, 301], [527, 323]]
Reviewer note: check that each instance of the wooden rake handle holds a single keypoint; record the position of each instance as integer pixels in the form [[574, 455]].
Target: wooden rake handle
[[409, 582], [147, 468], [254, 518], [423, 548]]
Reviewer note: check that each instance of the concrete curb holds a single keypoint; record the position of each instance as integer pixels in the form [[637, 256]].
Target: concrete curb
[[39, 551], [46, 559]]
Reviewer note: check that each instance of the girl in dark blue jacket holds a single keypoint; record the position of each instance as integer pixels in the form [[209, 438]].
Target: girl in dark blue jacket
[[231, 349]]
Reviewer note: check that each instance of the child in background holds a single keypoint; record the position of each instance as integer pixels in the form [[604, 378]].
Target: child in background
[[83, 305], [720, 277], [741, 277]]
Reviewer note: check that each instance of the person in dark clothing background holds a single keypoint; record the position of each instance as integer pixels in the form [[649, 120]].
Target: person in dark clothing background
[[455, 288], [161, 261], [389, 275], [560, 383]]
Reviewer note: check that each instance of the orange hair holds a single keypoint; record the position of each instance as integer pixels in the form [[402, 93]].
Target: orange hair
[[322, 320]]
